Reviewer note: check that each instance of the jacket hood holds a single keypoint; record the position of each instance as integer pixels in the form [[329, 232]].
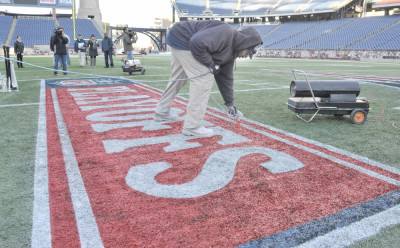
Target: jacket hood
[[247, 38]]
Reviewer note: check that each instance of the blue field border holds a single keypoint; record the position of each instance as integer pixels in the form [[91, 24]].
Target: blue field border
[[303, 233], [88, 82]]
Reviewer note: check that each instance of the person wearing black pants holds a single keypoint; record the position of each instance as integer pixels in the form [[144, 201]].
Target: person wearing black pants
[[19, 51], [93, 45], [107, 47]]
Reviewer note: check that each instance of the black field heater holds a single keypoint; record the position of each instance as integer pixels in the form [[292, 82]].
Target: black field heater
[[327, 97]]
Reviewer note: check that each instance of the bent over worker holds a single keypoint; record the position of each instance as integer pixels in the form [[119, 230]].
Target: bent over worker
[[203, 51]]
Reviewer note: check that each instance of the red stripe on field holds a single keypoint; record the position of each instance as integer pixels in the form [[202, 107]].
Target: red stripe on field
[[255, 204], [63, 228]]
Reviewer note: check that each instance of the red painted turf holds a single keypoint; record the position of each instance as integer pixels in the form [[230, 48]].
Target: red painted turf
[[255, 204], [64, 230]]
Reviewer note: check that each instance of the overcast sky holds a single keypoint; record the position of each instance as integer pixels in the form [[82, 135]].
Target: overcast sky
[[136, 13]]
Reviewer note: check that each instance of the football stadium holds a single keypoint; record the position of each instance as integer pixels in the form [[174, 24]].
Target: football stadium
[[226, 123]]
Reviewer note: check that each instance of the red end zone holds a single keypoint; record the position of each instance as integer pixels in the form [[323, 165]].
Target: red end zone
[[149, 186]]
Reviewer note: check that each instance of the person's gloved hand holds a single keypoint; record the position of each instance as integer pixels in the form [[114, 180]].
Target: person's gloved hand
[[215, 69], [233, 112]]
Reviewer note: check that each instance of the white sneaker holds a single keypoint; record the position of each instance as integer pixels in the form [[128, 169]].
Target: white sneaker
[[164, 118], [200, 132]]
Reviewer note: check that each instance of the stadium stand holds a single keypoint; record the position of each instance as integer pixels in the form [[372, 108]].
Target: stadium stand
[[34, 30], [345, 35], [257, 8], [5, 24], [83, 26], [372, 33]]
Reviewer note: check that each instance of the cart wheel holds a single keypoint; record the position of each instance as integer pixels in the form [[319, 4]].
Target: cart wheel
[[358, 116], [143, 71]]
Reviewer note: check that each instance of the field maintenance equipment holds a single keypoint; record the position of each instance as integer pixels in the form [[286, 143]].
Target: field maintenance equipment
[[132, 65], [327, 97]]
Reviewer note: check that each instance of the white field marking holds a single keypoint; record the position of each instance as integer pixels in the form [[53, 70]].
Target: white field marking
[[89, 234], [20, 105], [367, 227], [41, 228], [286, 60], [332, 74], [396, 108], [326, 156], [363, 159], [246, 90]]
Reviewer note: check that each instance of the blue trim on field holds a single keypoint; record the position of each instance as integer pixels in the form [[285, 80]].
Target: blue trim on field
[[91, 82], [300, 234]]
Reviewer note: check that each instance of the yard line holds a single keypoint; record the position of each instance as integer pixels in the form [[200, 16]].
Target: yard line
[[89, 234], [41, 230], [20, 105], [246, 90]]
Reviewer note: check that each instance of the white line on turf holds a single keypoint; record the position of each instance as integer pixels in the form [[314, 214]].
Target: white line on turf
[[246, 90], [41, 229], [89, 234], [19, 105], [345, 236]]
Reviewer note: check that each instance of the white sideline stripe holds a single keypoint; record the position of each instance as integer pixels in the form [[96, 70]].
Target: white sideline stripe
[[356, 231], [41, 229], [246, 90], [89, 234], [326, 156], [366, 160], [19, 105], [396, 108], [313, 142]]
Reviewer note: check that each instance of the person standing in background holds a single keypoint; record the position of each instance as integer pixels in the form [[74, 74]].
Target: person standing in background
[[80, 48], [107, 48], [19, 51], [129, 38], [93, 45], [58, 45]]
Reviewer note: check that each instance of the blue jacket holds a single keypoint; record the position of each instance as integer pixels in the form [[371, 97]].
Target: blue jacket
[[106, 44]]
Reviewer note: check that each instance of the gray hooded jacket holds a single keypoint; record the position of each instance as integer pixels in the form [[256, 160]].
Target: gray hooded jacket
[[214, 43]]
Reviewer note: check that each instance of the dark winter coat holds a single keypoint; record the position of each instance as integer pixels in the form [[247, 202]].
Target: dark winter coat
[[93, 45], [214, 43], [106, 44], [19, 47], [58, 44]]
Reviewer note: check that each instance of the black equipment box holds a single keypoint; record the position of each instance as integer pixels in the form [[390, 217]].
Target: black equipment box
[[327, 97]]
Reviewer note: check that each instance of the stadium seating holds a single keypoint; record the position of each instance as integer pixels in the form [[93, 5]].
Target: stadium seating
[[344, 36], [34, 30], [83, 26], [373, 33], [256, 7], [5, 24]]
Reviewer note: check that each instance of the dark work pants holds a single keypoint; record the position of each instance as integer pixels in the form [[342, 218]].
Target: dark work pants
[[19, 60], [108, 58]]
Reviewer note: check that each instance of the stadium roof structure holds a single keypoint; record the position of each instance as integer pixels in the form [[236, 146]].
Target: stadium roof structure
[[232, 8], [385, 3]]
